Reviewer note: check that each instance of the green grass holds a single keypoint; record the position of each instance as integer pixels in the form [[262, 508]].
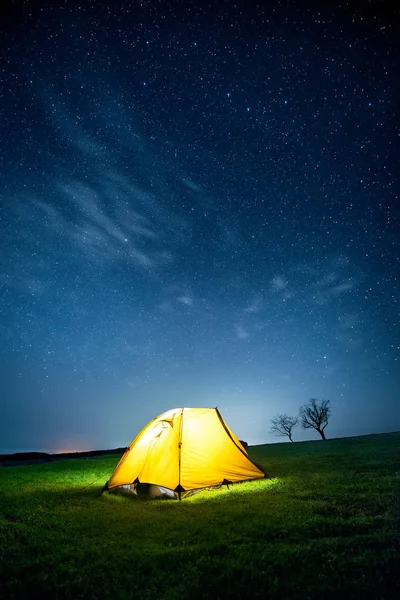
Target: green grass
[[326, 527]]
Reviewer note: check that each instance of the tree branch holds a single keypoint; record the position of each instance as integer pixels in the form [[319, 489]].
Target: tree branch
[[315, 415]]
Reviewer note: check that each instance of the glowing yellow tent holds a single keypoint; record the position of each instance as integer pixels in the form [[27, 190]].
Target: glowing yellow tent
[[183, 450]]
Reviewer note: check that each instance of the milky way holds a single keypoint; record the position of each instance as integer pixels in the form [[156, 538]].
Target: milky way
[[199, 207]]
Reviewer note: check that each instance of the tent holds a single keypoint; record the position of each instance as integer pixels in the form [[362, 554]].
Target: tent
[[182, 451]]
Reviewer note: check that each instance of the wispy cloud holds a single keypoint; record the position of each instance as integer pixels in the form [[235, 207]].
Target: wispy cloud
[[324, 283], [255, 305], [278, 283], [91, 208], [101, 231], [192, 185], [175, 298], [186, 300], [330, 289], [337, 290], [327, 280], [241, 332], [280, 288]]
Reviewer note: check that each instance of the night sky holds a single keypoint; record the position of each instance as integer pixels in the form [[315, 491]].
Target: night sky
[[199, 207]]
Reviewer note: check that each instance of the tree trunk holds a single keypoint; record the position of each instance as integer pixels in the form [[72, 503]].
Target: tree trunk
[[290, 438], [321, 432]]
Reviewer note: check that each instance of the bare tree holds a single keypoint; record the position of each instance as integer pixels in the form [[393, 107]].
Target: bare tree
[[315, 415], [283, 425]]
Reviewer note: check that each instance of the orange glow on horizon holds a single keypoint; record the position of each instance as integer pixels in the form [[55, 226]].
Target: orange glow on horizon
[[71, 450]]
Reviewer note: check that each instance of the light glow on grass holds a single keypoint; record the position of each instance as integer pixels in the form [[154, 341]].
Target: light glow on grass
[[235, 489]]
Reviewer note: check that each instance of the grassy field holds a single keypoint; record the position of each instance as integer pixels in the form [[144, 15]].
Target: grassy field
[[327, 526]]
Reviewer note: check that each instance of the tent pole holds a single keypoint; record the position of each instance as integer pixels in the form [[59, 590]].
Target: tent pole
[[180, 452]]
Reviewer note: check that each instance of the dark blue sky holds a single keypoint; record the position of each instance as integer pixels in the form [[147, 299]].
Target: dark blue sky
[[199, 207]]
